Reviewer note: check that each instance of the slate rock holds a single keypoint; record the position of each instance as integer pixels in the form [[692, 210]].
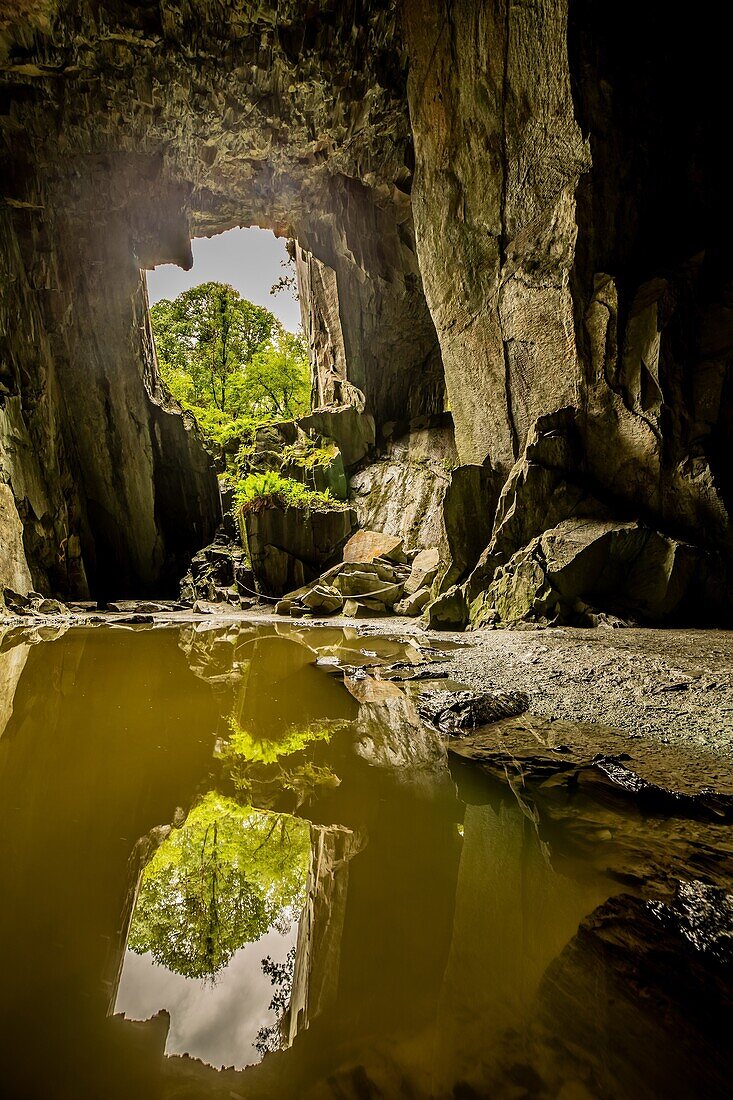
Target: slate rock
[[456, 711]]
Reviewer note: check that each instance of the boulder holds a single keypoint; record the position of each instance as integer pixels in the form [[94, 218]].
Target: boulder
[[351, 430], [579, 564], [424, 571], [449, 611], [456, 711], [324, 598], [367, 583], [289, 546], [364, 609], [365, 546], [414, 603], [220, 566]]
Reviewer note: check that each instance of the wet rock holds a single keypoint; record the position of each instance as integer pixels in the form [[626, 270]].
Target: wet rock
[[365, 546], [143, 607], [665, 968], [456, 711], [16, 602], [612, 772], [32, 604]]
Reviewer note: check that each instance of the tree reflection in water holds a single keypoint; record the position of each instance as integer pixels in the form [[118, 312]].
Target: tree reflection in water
[[226, 877], [262, 769]]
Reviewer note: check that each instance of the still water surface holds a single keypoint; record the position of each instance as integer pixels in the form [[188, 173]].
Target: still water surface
[[220, 843]]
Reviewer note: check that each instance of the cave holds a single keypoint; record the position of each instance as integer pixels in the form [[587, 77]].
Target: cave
[[478, 662], [510, 226]]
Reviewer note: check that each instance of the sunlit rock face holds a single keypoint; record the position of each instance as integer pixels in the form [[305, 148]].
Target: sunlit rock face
[[570, 222], [519, 205]]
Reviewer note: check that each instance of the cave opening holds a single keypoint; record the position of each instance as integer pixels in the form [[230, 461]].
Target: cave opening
[[228, 338]]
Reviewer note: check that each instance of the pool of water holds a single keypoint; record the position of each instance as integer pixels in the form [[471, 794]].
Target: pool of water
[[236, 864]]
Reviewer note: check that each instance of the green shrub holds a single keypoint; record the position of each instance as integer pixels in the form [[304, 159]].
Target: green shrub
[[271, 489]]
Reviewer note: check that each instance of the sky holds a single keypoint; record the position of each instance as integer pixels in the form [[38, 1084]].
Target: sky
[[248, 259], [217, 1023]]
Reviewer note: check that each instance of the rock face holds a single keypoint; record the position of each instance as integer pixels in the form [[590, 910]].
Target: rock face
[[289, 546], [111, 488], [518, 206], [402, 492]]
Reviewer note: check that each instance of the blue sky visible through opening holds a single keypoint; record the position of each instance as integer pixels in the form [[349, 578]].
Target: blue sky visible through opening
[[247, 259]]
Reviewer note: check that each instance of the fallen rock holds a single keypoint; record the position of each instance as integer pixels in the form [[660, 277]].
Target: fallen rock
[[424, 570], [289, 546], [413, 604], [324, 598], [449, 611], [364, 609], [582, 562], [143, 607], [455, 711], [49, 607], [365, 546], [222, 565], [363, 583]]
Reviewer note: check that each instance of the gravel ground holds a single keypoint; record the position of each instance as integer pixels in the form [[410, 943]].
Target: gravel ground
[[675, 686], [665, 697]]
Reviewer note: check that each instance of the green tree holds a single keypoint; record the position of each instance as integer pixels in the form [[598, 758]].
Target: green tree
[[204, 338], [222, 880], [276, 383]]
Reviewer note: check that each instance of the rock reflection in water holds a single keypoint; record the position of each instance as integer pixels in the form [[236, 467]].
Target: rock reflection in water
[[452, 937]]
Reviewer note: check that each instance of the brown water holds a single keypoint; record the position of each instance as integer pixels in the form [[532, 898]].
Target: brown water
[[178, 805]]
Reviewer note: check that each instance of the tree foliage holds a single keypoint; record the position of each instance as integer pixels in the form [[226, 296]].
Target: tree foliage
[[228, 361], [224, 879]]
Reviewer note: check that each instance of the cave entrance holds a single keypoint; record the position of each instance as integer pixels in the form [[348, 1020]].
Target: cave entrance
[[231, 352], [228, 332]]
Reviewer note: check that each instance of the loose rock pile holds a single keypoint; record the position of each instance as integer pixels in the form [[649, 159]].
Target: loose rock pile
[[376, 577], [220, 573], [32, 605]]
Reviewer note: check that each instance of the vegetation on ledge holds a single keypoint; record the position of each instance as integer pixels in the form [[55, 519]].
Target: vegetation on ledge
[[270, 489]]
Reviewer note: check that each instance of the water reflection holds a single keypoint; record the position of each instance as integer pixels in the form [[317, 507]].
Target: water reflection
[[178, 805], [227, 876]]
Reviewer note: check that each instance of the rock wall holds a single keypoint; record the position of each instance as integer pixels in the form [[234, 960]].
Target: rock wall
[[569, 225], [112, 490], [402, 492]]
